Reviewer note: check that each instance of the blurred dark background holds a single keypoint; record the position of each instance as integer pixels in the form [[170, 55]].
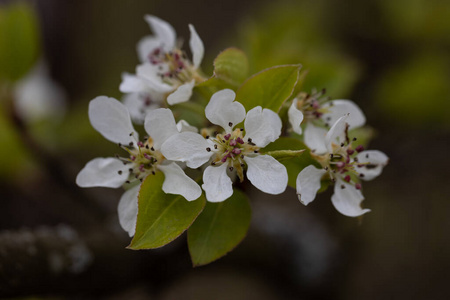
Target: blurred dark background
[[391, 57]]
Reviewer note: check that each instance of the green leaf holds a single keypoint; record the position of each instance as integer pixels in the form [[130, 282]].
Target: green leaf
[[269, 88], [19, 40], [284, 154], [230, 71], [219, 229], [162, 217], [231, 66], [294, 165]]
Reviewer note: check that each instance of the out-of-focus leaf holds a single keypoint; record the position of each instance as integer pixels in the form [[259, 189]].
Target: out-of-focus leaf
[[219, 229], [269, 88], [416, 93], [293, 32], [19, 40], [162, 217]]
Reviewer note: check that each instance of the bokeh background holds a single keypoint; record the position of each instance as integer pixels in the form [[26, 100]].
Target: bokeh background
[[391, 57]]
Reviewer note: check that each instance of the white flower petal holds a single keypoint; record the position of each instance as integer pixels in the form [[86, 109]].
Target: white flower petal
[[149, 74], [103, 172], [132, 84], [160, 125], [163, 31], [216, 183], [197, 47], [314, 138], [187, 147], [178, 183], [373, 161], [183, 126], [267, 174], [263, 126], [308, 183], [348, 200], [136, 105], [112, 119], [128, 210], [295, 117], [182, 94], [336, 134], [146, 46], [222, 109], [339, 108]]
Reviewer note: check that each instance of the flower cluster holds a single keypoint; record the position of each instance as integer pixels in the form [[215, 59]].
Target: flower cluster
[[231, 144]]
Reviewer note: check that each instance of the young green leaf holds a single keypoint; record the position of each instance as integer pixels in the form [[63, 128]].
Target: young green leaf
[[284, 154], [219, 229], [231, 65], [269, 88], [162, 217], [295, 164], [230, 71]]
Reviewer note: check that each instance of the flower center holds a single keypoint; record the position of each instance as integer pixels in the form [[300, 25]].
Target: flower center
[[174, 67], [342, 162], [143, 159], [312, 105], [230, 148]]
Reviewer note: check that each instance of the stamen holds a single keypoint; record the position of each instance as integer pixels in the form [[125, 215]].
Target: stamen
[[233, 142], [230, 124], [215, 146], [347, 178], [342, 186], [240, 141], [208, 149], [227, 136], [119, 172], [358, 186], [236, 151], [231, 168], [350, 151]]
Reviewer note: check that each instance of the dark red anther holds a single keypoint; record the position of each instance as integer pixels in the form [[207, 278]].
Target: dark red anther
[[340, 164], [240, 141], [141, 168], [233, 142], [358, 186], [227, 136], [350, 151], [133, 158], [347, 160], [360, 148], [140, 144], [347, 178], [224, 159]]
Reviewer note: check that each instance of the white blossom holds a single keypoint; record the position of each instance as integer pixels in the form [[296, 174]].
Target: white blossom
[[345, 166], [165, 69], [38, 97], [231, 150], [318, 113], [112, 119]]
